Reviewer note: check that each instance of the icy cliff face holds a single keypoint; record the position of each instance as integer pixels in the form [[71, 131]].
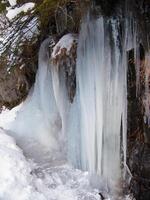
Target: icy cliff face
[[64, 75]]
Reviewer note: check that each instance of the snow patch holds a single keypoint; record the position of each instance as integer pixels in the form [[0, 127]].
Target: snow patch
[[15, 172], [22, 179], [13, 12], [66, 43], [8, 116], [12, 2]]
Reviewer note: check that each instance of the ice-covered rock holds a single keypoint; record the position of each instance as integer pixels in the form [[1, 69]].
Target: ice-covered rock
[[64, 46]]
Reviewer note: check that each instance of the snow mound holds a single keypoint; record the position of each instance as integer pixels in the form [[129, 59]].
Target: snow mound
[[23, 180], [13, 12], [65, 43], [15, 172], [8, 116], [12, 2]]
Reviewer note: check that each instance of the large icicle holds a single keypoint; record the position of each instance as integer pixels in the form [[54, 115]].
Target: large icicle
[[101, 85], [39, 121]]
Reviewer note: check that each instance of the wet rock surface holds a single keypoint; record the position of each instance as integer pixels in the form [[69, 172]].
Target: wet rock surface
[[138, 134]]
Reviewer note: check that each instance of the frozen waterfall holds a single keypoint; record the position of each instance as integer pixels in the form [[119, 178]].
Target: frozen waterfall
[[92, 129], [39, 124], [101, 101]]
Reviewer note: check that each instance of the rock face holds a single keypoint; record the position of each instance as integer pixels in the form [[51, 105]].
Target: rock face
[[14, 87], [138, 131], [16, 82], [139, 163]]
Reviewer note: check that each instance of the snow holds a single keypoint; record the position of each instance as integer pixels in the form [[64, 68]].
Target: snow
[[12, 2], [64, 43], [13, 12], [6, 116], [23, 179], [15, 172]]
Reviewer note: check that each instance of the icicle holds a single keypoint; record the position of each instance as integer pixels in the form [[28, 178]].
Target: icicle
[[102, 89], [41, 120], [147, 89]]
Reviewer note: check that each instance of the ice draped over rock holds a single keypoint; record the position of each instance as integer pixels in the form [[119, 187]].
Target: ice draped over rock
[[42, 118], [39, 119]]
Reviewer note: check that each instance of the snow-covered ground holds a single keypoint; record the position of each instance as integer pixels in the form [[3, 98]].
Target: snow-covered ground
[[23, 179]]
